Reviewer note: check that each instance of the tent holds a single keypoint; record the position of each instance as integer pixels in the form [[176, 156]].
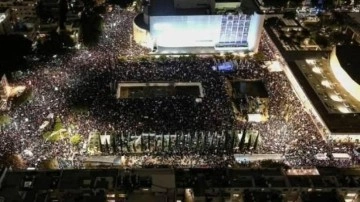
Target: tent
[[341, 156], [257, 157]]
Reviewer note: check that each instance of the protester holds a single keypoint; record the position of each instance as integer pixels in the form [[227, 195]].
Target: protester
[[89, 78]]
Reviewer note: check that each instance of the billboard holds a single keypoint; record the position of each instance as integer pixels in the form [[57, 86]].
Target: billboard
[[185, 31], [223, 32]]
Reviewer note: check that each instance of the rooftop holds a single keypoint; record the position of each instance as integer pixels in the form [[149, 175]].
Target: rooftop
[[31, 185], [337, 122], [250, 88], [321, 197], [166, 8], [349, 59]]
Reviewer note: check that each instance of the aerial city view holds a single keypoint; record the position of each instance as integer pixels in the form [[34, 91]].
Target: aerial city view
[[178, 97]]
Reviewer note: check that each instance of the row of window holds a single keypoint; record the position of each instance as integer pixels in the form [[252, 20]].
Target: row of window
[[234, 30]]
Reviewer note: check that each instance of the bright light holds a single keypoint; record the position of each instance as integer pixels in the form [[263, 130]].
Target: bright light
[[317, 70], [310, 62], [275, 67], [343, 109], [326, 83], [110, 195], [351, 194], [162, 26], [336, 98], [2, 17], [254, 117], [343, 78]]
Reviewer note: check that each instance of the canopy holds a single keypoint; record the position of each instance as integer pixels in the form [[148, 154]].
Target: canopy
[[341, 156], [257, 157], [321, 156]]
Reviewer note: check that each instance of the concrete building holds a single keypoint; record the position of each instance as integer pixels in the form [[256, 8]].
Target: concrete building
[[329, 89], [186, 26], [20, 9], [182, 185], [24, 9]]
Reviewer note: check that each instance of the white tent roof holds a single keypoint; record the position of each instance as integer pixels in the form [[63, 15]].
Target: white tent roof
[[321, 156], [116, 160], [257, 157], [341, 155]]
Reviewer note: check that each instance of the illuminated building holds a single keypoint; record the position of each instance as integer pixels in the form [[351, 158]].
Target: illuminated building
[[215, 25], [344, 61], [329, 89]]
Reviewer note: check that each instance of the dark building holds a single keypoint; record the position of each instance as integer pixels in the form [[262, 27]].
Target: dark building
[[182, 185]]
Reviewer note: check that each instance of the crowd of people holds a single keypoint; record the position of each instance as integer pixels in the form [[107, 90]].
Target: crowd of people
[[88, 79]]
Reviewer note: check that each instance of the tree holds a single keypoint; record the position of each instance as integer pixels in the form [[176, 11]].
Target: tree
[[107, 148], [162, 142], [256, 142], [52, 44], [4, 120], [91, 28], [13, 49], [242, 140], [75, 139], [249, 142], [26, 96], [229, 56], [58, 124], [232, 141], [63, 9], [259, 57], [66, 40], [13, 160], [50, 164]]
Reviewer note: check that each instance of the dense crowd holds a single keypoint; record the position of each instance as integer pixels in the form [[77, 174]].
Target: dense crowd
[[88, 79]]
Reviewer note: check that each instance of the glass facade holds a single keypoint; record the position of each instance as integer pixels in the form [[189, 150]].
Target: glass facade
[[234, 31]]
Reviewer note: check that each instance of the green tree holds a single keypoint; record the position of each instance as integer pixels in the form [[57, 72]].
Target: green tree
[[50, 164], [242, 140], [5, 120], [26, 96], [58, 124], [14, 160], [249, 142], [256, 142], [259, 56], [75, 139]]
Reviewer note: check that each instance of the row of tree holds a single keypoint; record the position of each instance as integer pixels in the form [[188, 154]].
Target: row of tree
[[202, 142]]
